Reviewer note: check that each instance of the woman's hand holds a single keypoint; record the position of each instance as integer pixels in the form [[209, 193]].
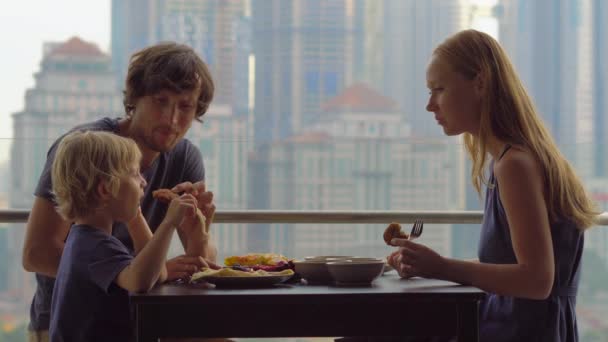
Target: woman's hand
[[414, 259], [394, 259]]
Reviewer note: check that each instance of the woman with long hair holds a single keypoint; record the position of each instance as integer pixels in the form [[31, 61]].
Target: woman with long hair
[[536, 208]]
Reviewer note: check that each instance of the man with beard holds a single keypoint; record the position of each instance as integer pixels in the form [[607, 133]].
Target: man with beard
[[167, 87]]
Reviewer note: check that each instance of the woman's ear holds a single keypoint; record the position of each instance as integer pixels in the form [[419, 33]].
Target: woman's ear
[[480, 84]]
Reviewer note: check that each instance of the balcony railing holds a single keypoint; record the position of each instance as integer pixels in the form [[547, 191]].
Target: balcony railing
[[297, 216]]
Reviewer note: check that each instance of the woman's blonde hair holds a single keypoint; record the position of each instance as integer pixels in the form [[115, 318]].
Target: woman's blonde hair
[[82, 161], [509, 115]]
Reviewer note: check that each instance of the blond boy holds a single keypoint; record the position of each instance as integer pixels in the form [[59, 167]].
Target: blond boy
[[96, 182]]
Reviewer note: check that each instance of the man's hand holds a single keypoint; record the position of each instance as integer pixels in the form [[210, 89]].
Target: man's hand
[[196, 224], [183, 266], [204, 198]]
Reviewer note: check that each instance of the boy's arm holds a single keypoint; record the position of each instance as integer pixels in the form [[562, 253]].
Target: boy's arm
[[141, 234], [45, 237], [145, 270]]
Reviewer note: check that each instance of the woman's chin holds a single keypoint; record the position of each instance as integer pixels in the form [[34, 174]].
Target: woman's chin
[[451, 132]]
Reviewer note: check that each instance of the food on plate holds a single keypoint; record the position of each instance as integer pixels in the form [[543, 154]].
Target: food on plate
[[393, 231], [229, 272], [166, 196], [270, 262], [251, 265]]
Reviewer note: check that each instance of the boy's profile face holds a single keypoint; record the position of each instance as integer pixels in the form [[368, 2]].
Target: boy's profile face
[[125, 205], [159, 121]]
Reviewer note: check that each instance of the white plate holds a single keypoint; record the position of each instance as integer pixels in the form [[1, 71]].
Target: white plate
[[245, 281]]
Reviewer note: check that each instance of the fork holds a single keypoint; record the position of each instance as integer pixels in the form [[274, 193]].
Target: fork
[[416, 229]]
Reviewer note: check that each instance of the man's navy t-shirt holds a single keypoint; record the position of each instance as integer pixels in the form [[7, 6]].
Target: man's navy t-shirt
[[87, 305], [183, 163]]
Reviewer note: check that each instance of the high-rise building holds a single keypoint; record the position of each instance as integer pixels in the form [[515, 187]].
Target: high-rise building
[[600, 87], [549, 43], [358, 155], [304, 55], [243, 74], [304, 52], [410, 31], [223, 140], [75, 84], [206, 26]]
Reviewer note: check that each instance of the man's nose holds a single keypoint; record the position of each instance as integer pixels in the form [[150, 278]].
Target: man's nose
[[171, 114]]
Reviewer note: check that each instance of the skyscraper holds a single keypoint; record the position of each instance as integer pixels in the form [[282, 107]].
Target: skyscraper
[[224, 144], [206, 26], [600, 87], [548, 42], [75, 84], [303, 56], [411, 29], [358, 155]]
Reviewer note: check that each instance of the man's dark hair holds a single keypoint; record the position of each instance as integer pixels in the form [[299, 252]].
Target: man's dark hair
[[167, 66]]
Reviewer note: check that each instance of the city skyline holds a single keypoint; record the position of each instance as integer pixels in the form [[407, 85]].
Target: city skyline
[[90, 21], [24, 28], [354, 148]]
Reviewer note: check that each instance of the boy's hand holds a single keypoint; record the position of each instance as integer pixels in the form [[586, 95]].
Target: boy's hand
[[184, 266], [204, 198], [180, 208], [136, 221]]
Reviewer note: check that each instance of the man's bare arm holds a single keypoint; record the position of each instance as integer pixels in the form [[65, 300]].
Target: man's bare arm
[[45, 237]]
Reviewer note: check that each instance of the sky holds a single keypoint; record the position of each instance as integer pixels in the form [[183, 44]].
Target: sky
[[24, 26]]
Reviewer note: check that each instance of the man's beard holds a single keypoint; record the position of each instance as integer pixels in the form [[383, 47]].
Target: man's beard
[[150, 143]]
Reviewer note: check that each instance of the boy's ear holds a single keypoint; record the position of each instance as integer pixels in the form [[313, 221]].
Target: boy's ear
[[102, 190]]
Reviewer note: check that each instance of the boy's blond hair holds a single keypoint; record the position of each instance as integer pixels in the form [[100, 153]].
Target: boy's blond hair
[[82, 161]]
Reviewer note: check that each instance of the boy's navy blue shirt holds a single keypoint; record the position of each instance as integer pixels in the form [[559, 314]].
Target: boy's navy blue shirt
[[87, 304]]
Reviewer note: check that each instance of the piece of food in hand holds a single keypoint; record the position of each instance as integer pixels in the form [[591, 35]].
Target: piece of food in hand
[[393, 231], [164, 195]]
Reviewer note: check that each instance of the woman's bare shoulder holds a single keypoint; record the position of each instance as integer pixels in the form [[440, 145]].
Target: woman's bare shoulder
[[517, 163]]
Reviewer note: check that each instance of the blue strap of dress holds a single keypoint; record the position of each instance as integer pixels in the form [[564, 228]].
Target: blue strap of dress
[[507, 147]]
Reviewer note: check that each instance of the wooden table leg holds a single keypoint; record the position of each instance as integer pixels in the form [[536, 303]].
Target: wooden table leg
[[468, 322], [141, 333]]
